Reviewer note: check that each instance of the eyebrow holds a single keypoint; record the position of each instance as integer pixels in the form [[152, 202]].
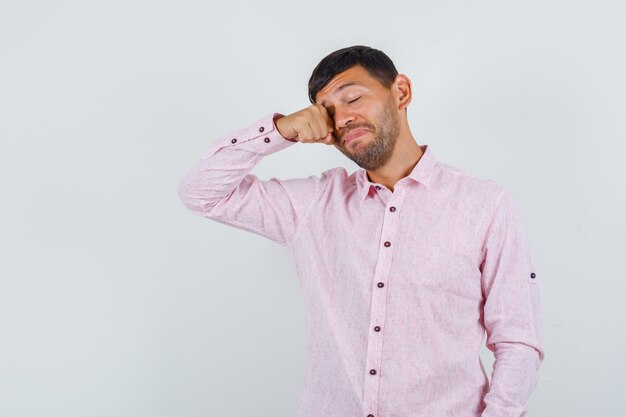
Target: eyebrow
[[341, 87]]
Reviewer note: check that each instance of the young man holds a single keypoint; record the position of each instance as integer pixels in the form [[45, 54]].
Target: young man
[[404, 264]]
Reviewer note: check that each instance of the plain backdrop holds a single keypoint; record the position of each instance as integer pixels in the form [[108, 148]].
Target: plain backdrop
[[117, 301]]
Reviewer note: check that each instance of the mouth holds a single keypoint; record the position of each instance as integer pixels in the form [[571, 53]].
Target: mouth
[[354, 135]]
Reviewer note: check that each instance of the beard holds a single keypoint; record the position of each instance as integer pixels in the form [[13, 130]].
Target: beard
[[377, 152]]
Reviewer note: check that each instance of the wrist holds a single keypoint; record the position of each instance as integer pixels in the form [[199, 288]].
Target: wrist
[[276, 125]]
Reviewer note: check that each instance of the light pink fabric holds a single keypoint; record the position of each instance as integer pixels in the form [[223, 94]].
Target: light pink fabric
[[399, 287]]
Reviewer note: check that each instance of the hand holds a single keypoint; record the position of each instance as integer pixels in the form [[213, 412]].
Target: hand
[[312, 124]]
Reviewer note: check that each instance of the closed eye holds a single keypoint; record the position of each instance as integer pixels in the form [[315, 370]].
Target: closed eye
[[352, 101]]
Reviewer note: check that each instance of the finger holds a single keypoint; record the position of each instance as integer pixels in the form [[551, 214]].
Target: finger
[[320, 127], [324, 121], [330, 126], [308, 131], [331, 133]]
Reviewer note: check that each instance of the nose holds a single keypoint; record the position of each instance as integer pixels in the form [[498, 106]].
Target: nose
[[342, 119]]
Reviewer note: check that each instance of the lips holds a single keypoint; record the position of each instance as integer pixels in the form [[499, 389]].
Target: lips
[[354, 135]]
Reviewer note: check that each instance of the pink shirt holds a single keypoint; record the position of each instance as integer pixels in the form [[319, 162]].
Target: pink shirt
[[399, 287]]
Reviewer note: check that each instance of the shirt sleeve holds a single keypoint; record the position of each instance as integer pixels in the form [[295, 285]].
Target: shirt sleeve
[[220, 187], [511, 312]]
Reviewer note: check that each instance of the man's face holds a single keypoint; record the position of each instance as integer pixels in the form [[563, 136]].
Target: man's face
[[355, 100]]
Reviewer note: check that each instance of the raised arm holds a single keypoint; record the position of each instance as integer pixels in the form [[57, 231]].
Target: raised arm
[[220, 187]]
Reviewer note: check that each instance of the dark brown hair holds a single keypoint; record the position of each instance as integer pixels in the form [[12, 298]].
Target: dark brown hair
[[376, 62]]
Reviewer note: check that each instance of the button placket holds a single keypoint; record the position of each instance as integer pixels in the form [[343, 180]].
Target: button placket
[[379, 303]]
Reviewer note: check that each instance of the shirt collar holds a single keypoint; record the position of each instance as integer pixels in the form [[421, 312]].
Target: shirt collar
[[420, 173]]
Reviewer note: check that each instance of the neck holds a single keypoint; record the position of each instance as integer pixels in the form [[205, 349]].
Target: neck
[[406, 155]]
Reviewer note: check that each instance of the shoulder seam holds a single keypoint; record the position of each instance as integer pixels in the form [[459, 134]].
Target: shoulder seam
[[456, 171]]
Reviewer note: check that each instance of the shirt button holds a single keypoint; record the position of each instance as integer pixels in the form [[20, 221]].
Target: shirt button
[[233, 140], [267, 140], [380, 285], [392, 208], [377, 328], [261, 129], [387, 244], [370, 415], [378, 187], [373, 371], [532, 275]]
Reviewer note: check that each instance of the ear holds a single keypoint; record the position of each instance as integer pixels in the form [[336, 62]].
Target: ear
[[402, 91]]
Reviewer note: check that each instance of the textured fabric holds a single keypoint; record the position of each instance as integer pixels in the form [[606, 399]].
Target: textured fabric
[[399, 287]]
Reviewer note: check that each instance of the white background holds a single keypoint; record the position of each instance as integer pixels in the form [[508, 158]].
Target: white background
[[116, 301]]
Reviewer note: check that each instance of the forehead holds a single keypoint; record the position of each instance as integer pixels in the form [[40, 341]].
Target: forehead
[[355, 76]]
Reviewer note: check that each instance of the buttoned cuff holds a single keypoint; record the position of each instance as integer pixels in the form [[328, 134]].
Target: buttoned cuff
[[261, 137]]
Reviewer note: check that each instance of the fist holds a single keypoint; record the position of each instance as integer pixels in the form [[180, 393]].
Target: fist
[[312, 124]]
